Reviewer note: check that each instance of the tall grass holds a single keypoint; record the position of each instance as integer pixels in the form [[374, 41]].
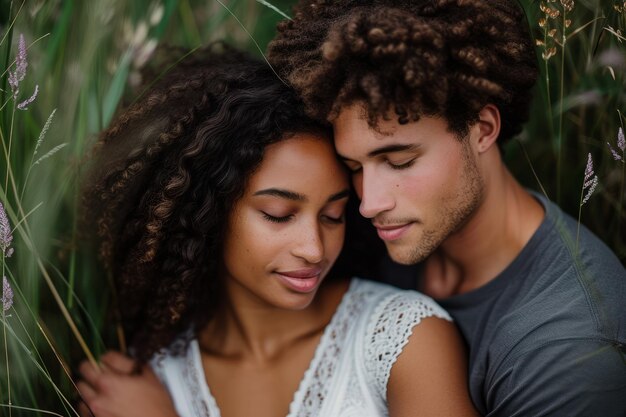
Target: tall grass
[[85, 58], [579, 106]]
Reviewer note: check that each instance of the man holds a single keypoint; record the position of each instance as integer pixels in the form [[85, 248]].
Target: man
[[420, 95]]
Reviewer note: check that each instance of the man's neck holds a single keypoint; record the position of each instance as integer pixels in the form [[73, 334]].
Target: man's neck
[[492, 238]]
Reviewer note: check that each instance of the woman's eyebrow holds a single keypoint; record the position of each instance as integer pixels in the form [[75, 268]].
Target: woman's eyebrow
[[286, 194], [293, 196]]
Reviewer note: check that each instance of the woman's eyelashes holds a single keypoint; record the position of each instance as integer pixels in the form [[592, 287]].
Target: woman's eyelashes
[[284, 219], [276, 219]]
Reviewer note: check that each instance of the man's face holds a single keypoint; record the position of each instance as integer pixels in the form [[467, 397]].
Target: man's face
[[417, 182]]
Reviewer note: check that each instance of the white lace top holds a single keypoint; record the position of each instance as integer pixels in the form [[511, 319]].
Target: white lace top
[[350, 369]]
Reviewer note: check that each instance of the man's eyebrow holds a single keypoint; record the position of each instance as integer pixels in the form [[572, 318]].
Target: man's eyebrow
[[393, 148], [386, 149], [277, 192], [342, 194]]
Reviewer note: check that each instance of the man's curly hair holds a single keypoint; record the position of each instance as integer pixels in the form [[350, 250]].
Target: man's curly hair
[[445, 58], [165, 176]]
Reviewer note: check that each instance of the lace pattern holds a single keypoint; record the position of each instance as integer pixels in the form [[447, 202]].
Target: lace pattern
[[317, 379], [183, 371], [193, 378], [354, 401], [389, 331]]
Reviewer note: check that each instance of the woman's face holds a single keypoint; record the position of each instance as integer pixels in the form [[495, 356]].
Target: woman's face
[[287, 230]]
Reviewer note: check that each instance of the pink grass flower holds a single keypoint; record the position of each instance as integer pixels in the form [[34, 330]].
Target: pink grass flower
[[6, 237], [591, 180], [24, 104], [621, 145], [616, 156], [17, 76], [589, 168], [7, 295], [21, 63], [592, 184]]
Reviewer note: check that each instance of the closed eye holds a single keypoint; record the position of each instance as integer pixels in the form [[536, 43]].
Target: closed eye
[[355, 168], [275, 219], [334, 220], [404, 165]]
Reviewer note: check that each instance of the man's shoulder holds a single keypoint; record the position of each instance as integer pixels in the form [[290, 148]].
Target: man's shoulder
[[573, 243], [556, 312], [566, 286], [577, 376], [575, 265]]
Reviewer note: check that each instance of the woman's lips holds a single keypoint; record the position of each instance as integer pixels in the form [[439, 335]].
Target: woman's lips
[[389, 233], [302, 280]]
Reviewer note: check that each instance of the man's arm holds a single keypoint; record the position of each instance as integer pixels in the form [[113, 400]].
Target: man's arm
[[573, 377]]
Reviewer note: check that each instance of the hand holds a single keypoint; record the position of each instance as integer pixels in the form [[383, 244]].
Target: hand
[[114, 391]]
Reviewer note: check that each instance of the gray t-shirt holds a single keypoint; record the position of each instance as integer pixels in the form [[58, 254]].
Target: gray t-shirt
[[546, 337]]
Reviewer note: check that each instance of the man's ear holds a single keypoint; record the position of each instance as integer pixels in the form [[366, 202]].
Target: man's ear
[[487, 129]]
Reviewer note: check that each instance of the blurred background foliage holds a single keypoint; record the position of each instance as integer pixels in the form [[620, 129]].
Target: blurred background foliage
[[579, 106], [84, 58]]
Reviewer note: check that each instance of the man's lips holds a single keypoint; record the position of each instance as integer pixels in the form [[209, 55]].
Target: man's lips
[[392, 232]]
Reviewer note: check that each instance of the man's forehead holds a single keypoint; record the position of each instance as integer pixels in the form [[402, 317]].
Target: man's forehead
[[385, 125]]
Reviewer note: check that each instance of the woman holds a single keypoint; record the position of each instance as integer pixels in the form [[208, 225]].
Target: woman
[[221, 209]]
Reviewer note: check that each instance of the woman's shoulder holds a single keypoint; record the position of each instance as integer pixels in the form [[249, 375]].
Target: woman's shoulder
[[392, 317]]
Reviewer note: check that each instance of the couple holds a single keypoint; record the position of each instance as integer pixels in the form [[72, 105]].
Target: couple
[[222, 207]]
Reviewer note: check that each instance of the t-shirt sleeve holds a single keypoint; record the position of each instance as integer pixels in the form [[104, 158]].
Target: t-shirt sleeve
[[575, 377], [389, 329]]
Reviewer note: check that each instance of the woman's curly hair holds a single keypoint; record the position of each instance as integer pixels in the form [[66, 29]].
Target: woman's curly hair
[[444, 58], [165, 176]]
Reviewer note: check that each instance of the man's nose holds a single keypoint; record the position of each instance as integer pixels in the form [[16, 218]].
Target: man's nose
[[374, 194]]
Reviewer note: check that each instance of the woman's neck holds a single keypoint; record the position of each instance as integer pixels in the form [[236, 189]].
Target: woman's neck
[[248, 328]]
